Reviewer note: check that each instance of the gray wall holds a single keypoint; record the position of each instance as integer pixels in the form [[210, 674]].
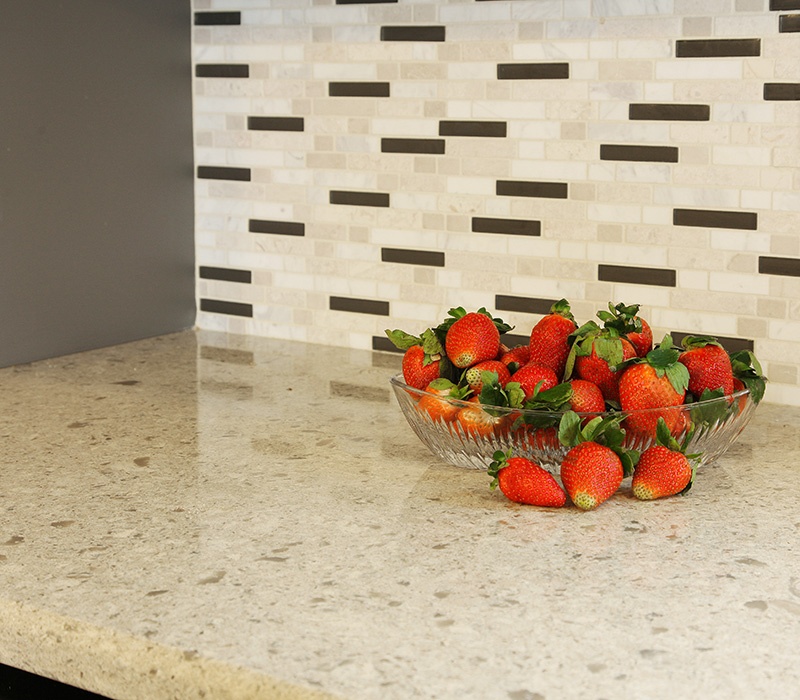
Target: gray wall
[[96, 174]]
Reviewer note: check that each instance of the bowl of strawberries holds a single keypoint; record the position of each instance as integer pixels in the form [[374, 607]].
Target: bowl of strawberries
[[468, 396]]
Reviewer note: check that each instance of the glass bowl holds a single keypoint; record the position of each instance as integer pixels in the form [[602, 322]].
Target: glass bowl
[[533, 434]]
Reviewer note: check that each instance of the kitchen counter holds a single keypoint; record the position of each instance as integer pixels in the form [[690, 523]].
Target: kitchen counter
[[208, 515]]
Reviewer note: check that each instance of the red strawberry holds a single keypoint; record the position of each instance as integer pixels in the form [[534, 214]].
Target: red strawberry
[[708, 364], [657, 381], [549, 342], [598, 354], [471, 338], [663, 469], [524, 481], [423, 357], [592, 472], [476, 421], [435, 402], [586, 397], [473, 375], [516, 357], [628, 325], [532, 376]]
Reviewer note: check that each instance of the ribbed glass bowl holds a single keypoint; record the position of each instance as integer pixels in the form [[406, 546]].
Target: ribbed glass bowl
[[533, 434]]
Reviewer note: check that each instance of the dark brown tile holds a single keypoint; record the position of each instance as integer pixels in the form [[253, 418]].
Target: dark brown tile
[[782, 91], [206, 19], [280, 228], [221, 70], [708, 48], [413, 33], [220, 172], [230, 308], [472, 128], [381, 342], [522, 188], [787, 267], [514, 227], [526, 305], [513, 339], [364, 2], [670, 112], [532, 71], [359, 306], [275, 123], [358, 89], [433, 258], [360, 199], [780, 5], [399, 145], [789, 23], [627, 274], [650, 154], [730, 344], [225, 274], [710, 218]]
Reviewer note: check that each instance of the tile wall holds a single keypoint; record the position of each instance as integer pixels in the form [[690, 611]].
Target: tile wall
[[363, 165]]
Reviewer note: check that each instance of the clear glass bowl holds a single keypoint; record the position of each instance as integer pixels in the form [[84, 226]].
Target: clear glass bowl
[[533, 434]]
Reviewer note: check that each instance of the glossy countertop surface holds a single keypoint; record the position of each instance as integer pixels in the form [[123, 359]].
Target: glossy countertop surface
[[219, 516]]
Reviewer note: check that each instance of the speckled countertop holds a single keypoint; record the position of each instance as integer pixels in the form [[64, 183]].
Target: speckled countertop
[[204, 515]]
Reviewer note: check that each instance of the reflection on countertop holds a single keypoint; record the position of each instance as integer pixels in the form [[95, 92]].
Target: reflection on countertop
[[248, 517]]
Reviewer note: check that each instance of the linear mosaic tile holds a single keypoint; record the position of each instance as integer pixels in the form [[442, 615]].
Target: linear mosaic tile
[[626, 274], [403, 145], [361, 199], [788, 267], [513, 339], [222, 172], [532, 71], [514, 227], [782, 91], [206, 19], [230, 308], [413, 33], [525, 305], [670, 112], [711, 218], [730, 344], [491, 129], [225, 274], [358, 89], [651, 154], [519, 188], [275, 123], [413, 257], [782, 5], [707, 48], [222, 70], [359, 306], [280, 228], [380, 342], [365, 2], [789, 23]]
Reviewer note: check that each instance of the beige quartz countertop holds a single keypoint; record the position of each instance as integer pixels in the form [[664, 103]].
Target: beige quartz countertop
[[207, 515]]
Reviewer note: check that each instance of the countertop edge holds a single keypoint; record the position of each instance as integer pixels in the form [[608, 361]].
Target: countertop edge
[[124, 667]]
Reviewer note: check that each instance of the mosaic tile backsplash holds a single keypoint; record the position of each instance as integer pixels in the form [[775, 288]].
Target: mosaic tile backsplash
[[364, 165]]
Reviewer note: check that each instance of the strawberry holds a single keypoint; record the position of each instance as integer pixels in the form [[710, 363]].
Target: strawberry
[[477, 421], [524, 481], [516, 357], [473, 375], [664, 469], [597, 462], [708, 364], [534, 427], [471, 337], [533, 376], [586, 397], [597, 356], [423, 360], [435, 402], [549, 341], [657, 381], [629, 326]]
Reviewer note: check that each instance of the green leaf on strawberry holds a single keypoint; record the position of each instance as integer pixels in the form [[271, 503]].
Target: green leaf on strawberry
[[602, 430], [402, 340], [543, 407], [747, 369], [493, 395]]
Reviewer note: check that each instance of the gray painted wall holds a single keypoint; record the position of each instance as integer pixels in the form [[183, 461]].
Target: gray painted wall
[[96, 174]]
